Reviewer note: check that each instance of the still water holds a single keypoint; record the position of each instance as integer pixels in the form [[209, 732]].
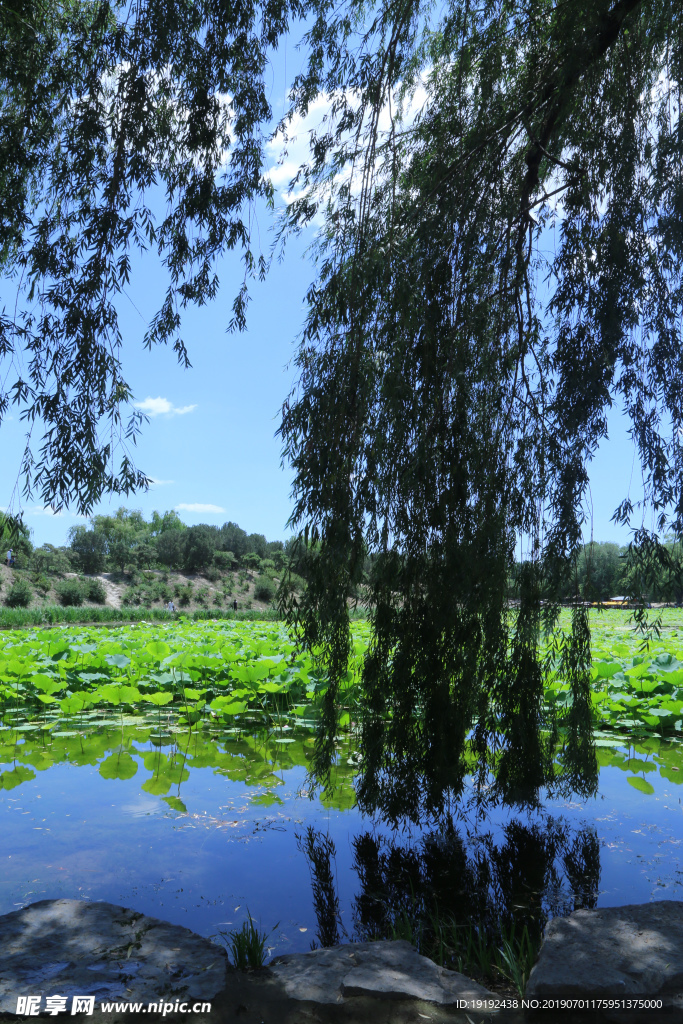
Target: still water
[[199, 827]]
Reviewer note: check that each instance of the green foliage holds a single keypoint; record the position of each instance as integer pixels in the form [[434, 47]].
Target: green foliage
[[202, 596], [212, 573], [123, 533], [446, 406], [163, 523], [94, 591], [19, 594], [264, 589], [14, 534], [146, 555], [252, 561], [89, 548], [169, 546], [224, 560], [70, 592], [160, 591], [172, 135], [247, 946], [49, 560], [42, 583], [199, 546]]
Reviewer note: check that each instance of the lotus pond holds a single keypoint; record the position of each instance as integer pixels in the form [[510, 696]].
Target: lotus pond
[[162, 767]]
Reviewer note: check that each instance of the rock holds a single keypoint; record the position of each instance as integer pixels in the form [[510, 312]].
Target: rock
[[613, 952], [386, 970], [69, 948]]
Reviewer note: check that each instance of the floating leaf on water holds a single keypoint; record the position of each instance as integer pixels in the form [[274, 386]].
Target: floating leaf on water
[[265, 800], [14, 778], [158, 785], [175, 803], [642, 785], [119, 766]]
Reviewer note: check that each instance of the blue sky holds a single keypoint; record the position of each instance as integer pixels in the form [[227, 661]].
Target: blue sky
[[210, 443]]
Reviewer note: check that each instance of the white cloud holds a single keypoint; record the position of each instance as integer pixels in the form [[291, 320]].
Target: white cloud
[[159, 483], [162, 406], [39, 510], [199, 507], [288, 154]]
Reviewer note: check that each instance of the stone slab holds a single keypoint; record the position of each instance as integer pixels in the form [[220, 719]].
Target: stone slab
[[73, 948], [383, 970], [70, 947], [613, 952]]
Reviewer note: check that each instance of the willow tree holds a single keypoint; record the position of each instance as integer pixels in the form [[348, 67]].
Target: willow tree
[[492, 274], [445, 405], [111, 110]]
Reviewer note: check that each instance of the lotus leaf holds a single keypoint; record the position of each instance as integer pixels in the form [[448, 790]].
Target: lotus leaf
[[119, 766], [175, 803], [642, 785], [159, 699]]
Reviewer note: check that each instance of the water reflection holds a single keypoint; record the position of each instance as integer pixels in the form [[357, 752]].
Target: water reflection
[[214, 809], [458, 895]]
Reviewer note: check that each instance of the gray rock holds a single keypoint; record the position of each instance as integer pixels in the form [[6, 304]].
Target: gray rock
[[69, 948], [386, 969], [613, 952]]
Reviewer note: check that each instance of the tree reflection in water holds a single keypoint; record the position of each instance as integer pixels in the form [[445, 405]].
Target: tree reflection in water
[[461, 898]]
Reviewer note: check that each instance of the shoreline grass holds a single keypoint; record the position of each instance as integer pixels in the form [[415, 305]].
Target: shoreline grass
[[50, 615]]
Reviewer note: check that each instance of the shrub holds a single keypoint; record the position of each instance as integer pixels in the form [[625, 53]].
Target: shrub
[[42, 583], [211, 573], [202, 595], [252, 561], [218, 598], [132, 596], [70, 592], [95, 592], [184, 595], [264, 589], [19, 594], [160, 591]]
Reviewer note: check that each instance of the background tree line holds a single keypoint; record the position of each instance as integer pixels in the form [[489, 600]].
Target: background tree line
[[125, 541], [602, 571]]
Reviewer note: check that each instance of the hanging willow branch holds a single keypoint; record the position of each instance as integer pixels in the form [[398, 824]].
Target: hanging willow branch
[[446, 407]]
